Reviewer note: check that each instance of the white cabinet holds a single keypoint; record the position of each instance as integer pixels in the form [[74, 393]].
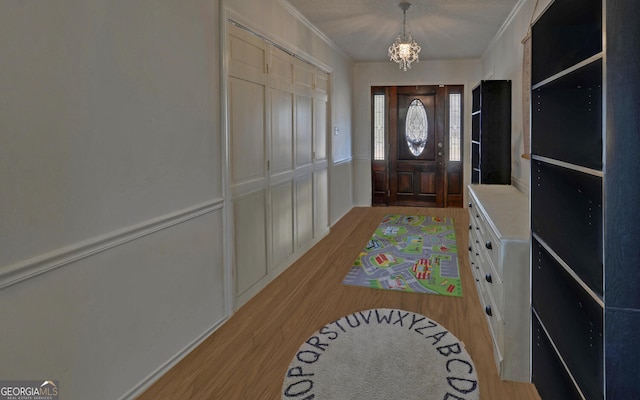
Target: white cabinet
[[499, 259]]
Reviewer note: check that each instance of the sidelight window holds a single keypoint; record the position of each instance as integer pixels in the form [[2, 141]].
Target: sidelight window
[[455, 126], [378, 126]]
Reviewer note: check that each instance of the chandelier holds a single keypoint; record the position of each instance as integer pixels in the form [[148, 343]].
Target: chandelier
[[404, 50]]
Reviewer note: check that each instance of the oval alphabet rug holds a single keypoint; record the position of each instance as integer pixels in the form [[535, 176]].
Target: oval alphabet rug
[[381, 354]]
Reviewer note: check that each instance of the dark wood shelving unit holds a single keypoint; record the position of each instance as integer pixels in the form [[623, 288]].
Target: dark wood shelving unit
[[491, 133], [585, 146]]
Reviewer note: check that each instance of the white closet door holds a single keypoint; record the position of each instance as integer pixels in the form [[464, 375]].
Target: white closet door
[[277, 108], [247, 149]]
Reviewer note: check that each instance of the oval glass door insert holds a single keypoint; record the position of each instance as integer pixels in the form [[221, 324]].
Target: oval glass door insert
[[416, 127]]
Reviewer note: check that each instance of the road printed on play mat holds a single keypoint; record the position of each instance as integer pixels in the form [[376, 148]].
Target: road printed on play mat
[[410, 253]]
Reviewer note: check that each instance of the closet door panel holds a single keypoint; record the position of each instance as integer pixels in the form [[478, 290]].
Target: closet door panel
[[281, 131], [247, 55], [320, 131], [304, 210], [250, 236], [304, 127], [321, 221], [247, 127], [282, 222]]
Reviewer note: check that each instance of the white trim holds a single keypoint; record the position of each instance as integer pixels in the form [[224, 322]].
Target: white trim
[[227, 225], [341, 161], [147, 382], [40, 264], [520, 184], [361, 158]]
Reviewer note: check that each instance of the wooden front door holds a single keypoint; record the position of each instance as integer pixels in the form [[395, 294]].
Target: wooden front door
[[416, 146]]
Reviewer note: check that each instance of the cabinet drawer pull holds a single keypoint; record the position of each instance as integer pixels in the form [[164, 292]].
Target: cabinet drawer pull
[[470, 205], [487, 309], [470, 227], [488, 245], [488, 278], [470, 249]]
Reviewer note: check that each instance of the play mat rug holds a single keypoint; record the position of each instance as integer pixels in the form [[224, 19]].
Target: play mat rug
[[412, 254]]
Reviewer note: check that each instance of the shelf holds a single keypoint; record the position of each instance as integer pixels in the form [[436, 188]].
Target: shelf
[[566, 121], [572, 319], [560, 262], [549, 371], [491, 132], [567, 33], [566, 212], [475, 126], [563, 164]]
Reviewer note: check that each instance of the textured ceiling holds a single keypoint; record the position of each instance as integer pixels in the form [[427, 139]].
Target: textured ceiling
[[445, 29]]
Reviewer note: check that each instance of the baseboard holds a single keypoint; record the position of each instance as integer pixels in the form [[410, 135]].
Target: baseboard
[[147, 382], [520, 185]]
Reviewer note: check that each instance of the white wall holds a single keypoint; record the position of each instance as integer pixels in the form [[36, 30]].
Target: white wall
[[427, 72], [112, 203], [503, 59], [111, 207]]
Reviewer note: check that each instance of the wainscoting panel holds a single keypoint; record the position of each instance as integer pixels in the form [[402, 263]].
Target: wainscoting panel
[[106, 322]]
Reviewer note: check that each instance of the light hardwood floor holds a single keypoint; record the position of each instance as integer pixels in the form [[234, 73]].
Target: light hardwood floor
[[247, 357]]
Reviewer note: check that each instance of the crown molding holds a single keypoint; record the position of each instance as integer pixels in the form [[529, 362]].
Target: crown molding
[[516, 9], [294, 11]]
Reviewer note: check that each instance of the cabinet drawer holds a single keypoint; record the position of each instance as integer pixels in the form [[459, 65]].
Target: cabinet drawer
[[573, 319], [476, 218], [492, 247], [487, 273], [491, 312]]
